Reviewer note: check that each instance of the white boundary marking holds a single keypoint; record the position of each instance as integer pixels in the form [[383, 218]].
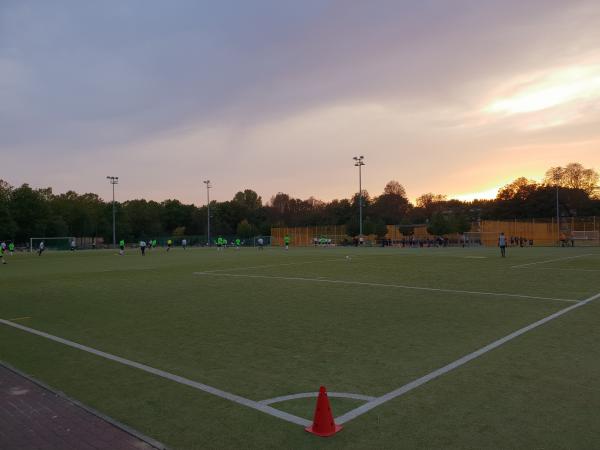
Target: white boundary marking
[[551, 260], [169, 376], [266, 266], [397, 286], [456, 364], [565, 269], [261, 406], [285, 398]]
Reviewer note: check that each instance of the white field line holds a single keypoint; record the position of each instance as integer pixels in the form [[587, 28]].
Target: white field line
[[384, 285], [565, 269], [169, 376], [285, 398], [456, 364], [551, 260], [266, 266]]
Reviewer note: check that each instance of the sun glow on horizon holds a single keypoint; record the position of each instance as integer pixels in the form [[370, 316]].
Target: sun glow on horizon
[[487, 194]]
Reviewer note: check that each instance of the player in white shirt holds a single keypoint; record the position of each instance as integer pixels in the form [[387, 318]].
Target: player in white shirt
[[143, 247], [502, 244], [184, 243], [41, 248]]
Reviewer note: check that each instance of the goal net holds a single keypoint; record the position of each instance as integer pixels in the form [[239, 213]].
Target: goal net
[[51, 243], [480, 238], [586, 237]]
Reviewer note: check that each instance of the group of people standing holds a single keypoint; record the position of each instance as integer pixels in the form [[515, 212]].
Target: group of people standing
[[150, 245], [520, 241]]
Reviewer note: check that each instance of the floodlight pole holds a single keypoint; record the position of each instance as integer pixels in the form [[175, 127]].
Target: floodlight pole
[[557, 185], [557, 216], [208, 186], [113, 181], [359, 162]]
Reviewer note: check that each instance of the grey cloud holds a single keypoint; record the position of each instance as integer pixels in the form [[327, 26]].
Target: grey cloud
[[77, 76]]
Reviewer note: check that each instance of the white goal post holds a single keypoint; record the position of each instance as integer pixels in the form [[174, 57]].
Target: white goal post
[[586, 235], [51, 243]]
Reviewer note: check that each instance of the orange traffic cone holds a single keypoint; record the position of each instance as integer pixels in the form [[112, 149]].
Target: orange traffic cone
[[323, 424]]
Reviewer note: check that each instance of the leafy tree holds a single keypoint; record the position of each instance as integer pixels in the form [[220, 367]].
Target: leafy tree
[[425, 201], [393, 205], [573, 176], [394, 188], [406, 228], [245, 230], [179, 231], [30, 211], [439, 225], [8, 227], [27, 212], [459, 223], [250, 199]]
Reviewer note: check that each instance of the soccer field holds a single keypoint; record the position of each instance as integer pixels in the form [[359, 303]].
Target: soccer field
[[228, 333]]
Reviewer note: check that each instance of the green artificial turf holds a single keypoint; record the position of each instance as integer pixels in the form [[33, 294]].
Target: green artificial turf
[[280, 326]]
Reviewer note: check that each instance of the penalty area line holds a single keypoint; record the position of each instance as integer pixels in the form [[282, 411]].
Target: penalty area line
[[267, 266], [385, 285], [551, 260], [353, 414], [169, 376]]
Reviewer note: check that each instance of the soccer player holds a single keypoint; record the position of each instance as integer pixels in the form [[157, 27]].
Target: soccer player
[[2, 247], [219, 243], [122, 247], [169, 244], [11, 248], [143, 247], [238, 244], [502, 244], [261, 243], [41, 248], [184, 243], [73, 245], [286, 241]]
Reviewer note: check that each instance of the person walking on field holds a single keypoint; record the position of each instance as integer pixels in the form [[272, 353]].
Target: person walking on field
[[286, 241], [502, 244], [143, 247], [122, 247]]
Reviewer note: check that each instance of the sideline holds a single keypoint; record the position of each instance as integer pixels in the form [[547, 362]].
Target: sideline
[[551, 260], [353, 414], [398, 286], [169, 376]]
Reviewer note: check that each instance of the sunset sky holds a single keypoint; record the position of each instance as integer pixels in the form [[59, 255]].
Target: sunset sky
[[456, 97]]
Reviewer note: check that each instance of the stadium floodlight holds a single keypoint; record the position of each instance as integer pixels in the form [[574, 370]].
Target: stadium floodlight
[[557, 183], [359, 162], [208, 186], [113, 181]]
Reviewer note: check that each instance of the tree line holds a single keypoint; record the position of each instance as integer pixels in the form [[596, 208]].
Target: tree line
[[27, 212]]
